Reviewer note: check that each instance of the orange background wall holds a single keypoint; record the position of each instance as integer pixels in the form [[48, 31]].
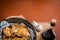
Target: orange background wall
[[39, 10]]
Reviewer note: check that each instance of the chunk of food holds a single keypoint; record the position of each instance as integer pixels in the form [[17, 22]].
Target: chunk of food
[[16, 32], [7, 32]]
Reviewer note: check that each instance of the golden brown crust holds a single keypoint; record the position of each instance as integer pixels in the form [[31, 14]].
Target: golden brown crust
[[16, 30]]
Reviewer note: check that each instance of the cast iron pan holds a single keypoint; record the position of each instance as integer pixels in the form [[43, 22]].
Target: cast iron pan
[[27, 23]]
